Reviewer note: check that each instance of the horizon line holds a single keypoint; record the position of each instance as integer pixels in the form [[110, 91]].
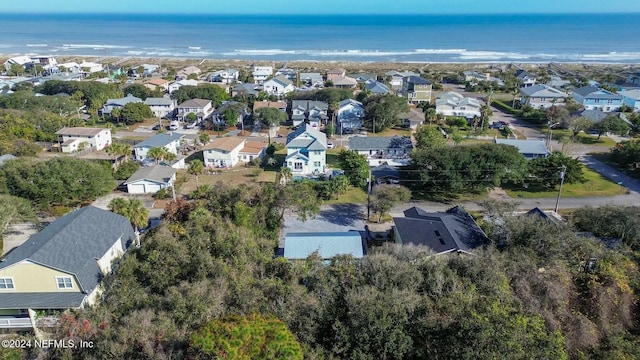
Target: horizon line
[[315, 14]]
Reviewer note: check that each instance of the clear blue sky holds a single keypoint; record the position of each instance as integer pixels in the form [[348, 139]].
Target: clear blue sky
[[322, 6]]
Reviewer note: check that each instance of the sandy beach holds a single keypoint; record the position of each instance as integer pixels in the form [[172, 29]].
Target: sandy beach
[[210, 65]]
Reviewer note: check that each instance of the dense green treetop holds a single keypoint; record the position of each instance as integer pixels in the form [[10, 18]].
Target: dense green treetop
[[57, 181], [206, 91]]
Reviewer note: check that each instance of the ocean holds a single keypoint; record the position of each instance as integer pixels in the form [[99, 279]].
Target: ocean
[[609, 38]]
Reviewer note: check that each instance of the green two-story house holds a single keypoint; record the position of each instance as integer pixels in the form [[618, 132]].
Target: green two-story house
[[416, 89]]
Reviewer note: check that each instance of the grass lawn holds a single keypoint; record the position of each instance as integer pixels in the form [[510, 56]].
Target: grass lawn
[[595, 185], [583, 138], [392, 132], [352, 196]]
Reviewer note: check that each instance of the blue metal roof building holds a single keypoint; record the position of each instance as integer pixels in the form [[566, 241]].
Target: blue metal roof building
[[298, 246]]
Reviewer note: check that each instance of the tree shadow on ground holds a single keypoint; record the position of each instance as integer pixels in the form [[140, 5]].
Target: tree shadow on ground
[[342, 214]]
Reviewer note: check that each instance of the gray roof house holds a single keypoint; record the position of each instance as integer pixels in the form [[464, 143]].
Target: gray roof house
[[453, 231], [245, 89], [392, 150], [376, 87], [161, 107], [312, 79], [313, 112], [541, 96], [169, 140], [117, 103], [61, 266], [526, 78], [306, 151], [149, 180], [531, 149]]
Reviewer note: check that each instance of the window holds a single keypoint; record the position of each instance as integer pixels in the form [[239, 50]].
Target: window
[[298, 166], [316, 163], [64, 283], [6, 284]]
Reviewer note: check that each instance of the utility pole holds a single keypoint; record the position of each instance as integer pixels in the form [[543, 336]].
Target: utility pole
[[369, 195], [562, 173]]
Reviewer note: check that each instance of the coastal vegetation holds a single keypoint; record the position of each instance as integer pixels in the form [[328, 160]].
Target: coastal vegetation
[[537, 291]]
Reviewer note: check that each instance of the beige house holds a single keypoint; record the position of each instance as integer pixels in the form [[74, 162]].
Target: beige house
[[252, 150], [223, 152], [72, 139], [336, 73], [157, 83], [59, 268]]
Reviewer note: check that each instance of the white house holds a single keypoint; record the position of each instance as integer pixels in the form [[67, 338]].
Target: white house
[[17, 60], [150, 180], [311, 79], [306, 151], [454, 104], [396, 78], [261, 73], [542, 96], [526, 78], [392, 150], [84, 67], [161, 107], [474, 76], [180, 83], [223, 152], [278, 86], [350, 114], [200, 107], [72, 138], [169, 141], [111, 104], [227, 76]]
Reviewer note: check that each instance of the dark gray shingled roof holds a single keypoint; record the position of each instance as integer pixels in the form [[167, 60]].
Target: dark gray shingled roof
[[363, 143], [54, 300], [73, 242], [454, 230], [417, 80]]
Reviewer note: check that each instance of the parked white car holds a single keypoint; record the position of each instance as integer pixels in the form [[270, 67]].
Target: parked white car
[[331, 145], [174, 125]]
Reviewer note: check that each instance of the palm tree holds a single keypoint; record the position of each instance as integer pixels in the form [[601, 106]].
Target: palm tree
[[204, 138], [118, 205], [119, 150], [115, 114], [134, 210], [430, 114], [285, 174], [157, 153], [196, 168]]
